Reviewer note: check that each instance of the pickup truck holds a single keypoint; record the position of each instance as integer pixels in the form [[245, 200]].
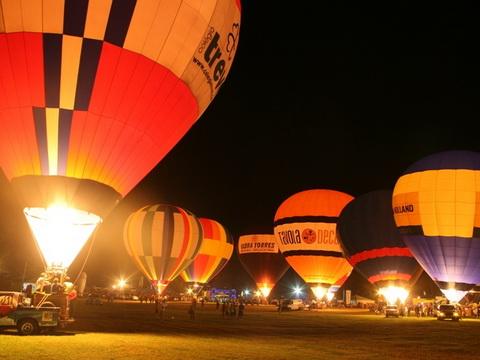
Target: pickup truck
[[15, 312]]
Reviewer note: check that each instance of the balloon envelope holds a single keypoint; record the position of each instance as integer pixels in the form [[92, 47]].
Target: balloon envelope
[[261, 258], [372, 244], [305, 228], [437, 210], [216, 250], [93, 94], [162, 240]]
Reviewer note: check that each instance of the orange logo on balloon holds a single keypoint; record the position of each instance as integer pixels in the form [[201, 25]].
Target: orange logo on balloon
[[309, 236]]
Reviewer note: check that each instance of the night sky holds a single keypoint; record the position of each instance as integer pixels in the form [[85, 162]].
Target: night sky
[[319, 96]]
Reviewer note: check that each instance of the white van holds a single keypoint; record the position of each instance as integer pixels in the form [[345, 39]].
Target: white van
[[295, 304]]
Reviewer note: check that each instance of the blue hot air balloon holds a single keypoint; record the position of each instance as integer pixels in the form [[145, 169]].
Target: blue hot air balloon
[[373, 245], [436, 205]]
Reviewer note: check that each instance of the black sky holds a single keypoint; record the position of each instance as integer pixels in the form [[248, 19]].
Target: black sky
[[321, 95]]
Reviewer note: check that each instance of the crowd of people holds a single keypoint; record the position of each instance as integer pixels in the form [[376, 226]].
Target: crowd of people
[[428, 309]]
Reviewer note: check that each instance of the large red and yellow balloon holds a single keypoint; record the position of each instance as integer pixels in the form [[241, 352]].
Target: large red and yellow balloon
[[305, 228], [94, 93], [216, 250], [162, 240]]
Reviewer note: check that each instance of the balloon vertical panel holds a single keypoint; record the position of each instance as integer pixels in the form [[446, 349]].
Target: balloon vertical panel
[[162, 241], [215, 252]]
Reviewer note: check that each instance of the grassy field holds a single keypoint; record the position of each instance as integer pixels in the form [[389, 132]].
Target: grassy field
[[128, 330]]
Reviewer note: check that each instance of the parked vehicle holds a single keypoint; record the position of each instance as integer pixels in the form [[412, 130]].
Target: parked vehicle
[[448, 311], [27, 319], [392, 310], [293, 304]]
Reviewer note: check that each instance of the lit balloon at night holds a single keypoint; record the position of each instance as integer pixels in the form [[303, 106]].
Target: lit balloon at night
[[305, 228], [261, 258], [93, 94], [216, 250], [372, 244], [162, 241], [437, 210]]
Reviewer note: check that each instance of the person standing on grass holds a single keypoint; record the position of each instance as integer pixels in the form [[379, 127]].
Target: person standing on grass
[[72, 299], [241, 308], [193, 308], [224, 308], [191, 312], [163, 307]]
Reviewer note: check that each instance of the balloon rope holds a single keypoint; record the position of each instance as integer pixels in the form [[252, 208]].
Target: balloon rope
[[87, 256]]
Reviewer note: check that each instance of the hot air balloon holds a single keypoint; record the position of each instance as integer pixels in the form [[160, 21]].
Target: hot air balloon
[[305, 227], [216, 250], [437, 210], [162, 240], [260, 257], [93, 94], [372, 244]]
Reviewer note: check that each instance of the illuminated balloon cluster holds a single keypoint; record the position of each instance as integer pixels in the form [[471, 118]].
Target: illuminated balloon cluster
[[165, 241]]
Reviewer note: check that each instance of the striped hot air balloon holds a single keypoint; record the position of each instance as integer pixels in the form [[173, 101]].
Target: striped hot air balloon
[[436, 205], [94, 93], [261, 258], [372, 244], [162, 240], [305, 227], [216, 250]]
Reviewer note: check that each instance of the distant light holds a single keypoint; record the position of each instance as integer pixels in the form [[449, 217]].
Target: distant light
[[122, 283], [297, 290], [196, 285], [189, 291], [258, 293], [247, 292], [330, 295]]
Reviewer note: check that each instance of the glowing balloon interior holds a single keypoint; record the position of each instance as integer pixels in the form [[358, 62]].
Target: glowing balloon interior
[[393, 294], [318, 291], [265, 289], [60, 233]]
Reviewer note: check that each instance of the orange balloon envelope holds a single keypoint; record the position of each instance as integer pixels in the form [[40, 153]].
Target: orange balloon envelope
[[216, 250], [305, 228], [162, 241], [94, 93]]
